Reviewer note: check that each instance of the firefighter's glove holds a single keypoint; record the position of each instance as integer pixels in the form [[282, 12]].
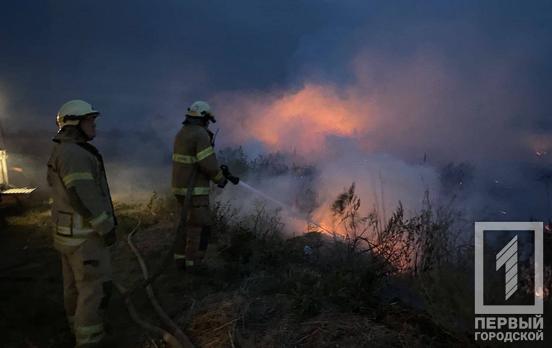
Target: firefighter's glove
[[222, 184], [226, 172], [110, 238]]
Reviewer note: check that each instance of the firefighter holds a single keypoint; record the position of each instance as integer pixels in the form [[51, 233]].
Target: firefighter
[[84, 222], [193, 151]]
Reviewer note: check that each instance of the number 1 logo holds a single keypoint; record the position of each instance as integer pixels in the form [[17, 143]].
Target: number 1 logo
[[508, 257]]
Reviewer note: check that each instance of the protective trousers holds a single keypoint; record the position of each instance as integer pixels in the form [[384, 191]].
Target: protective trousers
[[192, 245], [87, 283]]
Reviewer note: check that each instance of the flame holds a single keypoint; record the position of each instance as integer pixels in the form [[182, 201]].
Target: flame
[[395, 250], [17, 169]]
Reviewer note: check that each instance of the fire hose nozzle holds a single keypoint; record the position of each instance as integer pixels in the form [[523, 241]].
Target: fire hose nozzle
[[226, 172]]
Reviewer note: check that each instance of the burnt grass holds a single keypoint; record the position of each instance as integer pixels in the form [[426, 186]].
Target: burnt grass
[[259, 288]]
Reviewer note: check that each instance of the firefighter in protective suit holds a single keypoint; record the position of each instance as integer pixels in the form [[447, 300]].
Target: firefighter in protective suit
[[193, 151], [84, 222]]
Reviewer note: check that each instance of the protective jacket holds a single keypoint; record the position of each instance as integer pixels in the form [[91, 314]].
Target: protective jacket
[[193, 150], [193, 145], [82, 205]]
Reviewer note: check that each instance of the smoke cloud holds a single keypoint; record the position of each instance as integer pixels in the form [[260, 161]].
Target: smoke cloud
[[422, 106]]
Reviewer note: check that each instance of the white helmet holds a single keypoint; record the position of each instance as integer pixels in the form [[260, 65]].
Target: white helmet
[[200, 109], [72, 112]]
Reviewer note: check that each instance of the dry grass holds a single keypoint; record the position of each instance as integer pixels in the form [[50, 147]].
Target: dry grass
[[262, 290]]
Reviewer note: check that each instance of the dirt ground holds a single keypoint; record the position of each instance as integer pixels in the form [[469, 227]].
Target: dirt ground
[[215, 309], [31, 293]]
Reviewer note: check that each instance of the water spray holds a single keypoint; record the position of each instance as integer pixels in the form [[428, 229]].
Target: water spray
[[236, 181], [286, 207], [267, 197]]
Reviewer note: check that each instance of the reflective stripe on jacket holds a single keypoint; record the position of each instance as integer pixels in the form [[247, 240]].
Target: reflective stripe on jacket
[[82, 202], [89, 334], [193, 146]]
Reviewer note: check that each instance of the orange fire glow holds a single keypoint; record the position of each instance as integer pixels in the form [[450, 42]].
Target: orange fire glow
[[301, 121], [395, 251]]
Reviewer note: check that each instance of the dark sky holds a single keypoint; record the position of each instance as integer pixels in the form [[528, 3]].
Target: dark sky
[[142, 62], [135, 58]]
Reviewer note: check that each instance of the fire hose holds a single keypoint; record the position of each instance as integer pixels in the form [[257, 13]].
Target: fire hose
[[175, 340], [182, 338], [169, 339], [178, 339]]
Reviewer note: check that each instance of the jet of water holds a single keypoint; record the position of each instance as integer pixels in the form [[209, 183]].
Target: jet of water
[[264, 195], [289, 209]]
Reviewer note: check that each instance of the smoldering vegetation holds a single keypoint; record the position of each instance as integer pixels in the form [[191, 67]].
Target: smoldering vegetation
[[379, 282]]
